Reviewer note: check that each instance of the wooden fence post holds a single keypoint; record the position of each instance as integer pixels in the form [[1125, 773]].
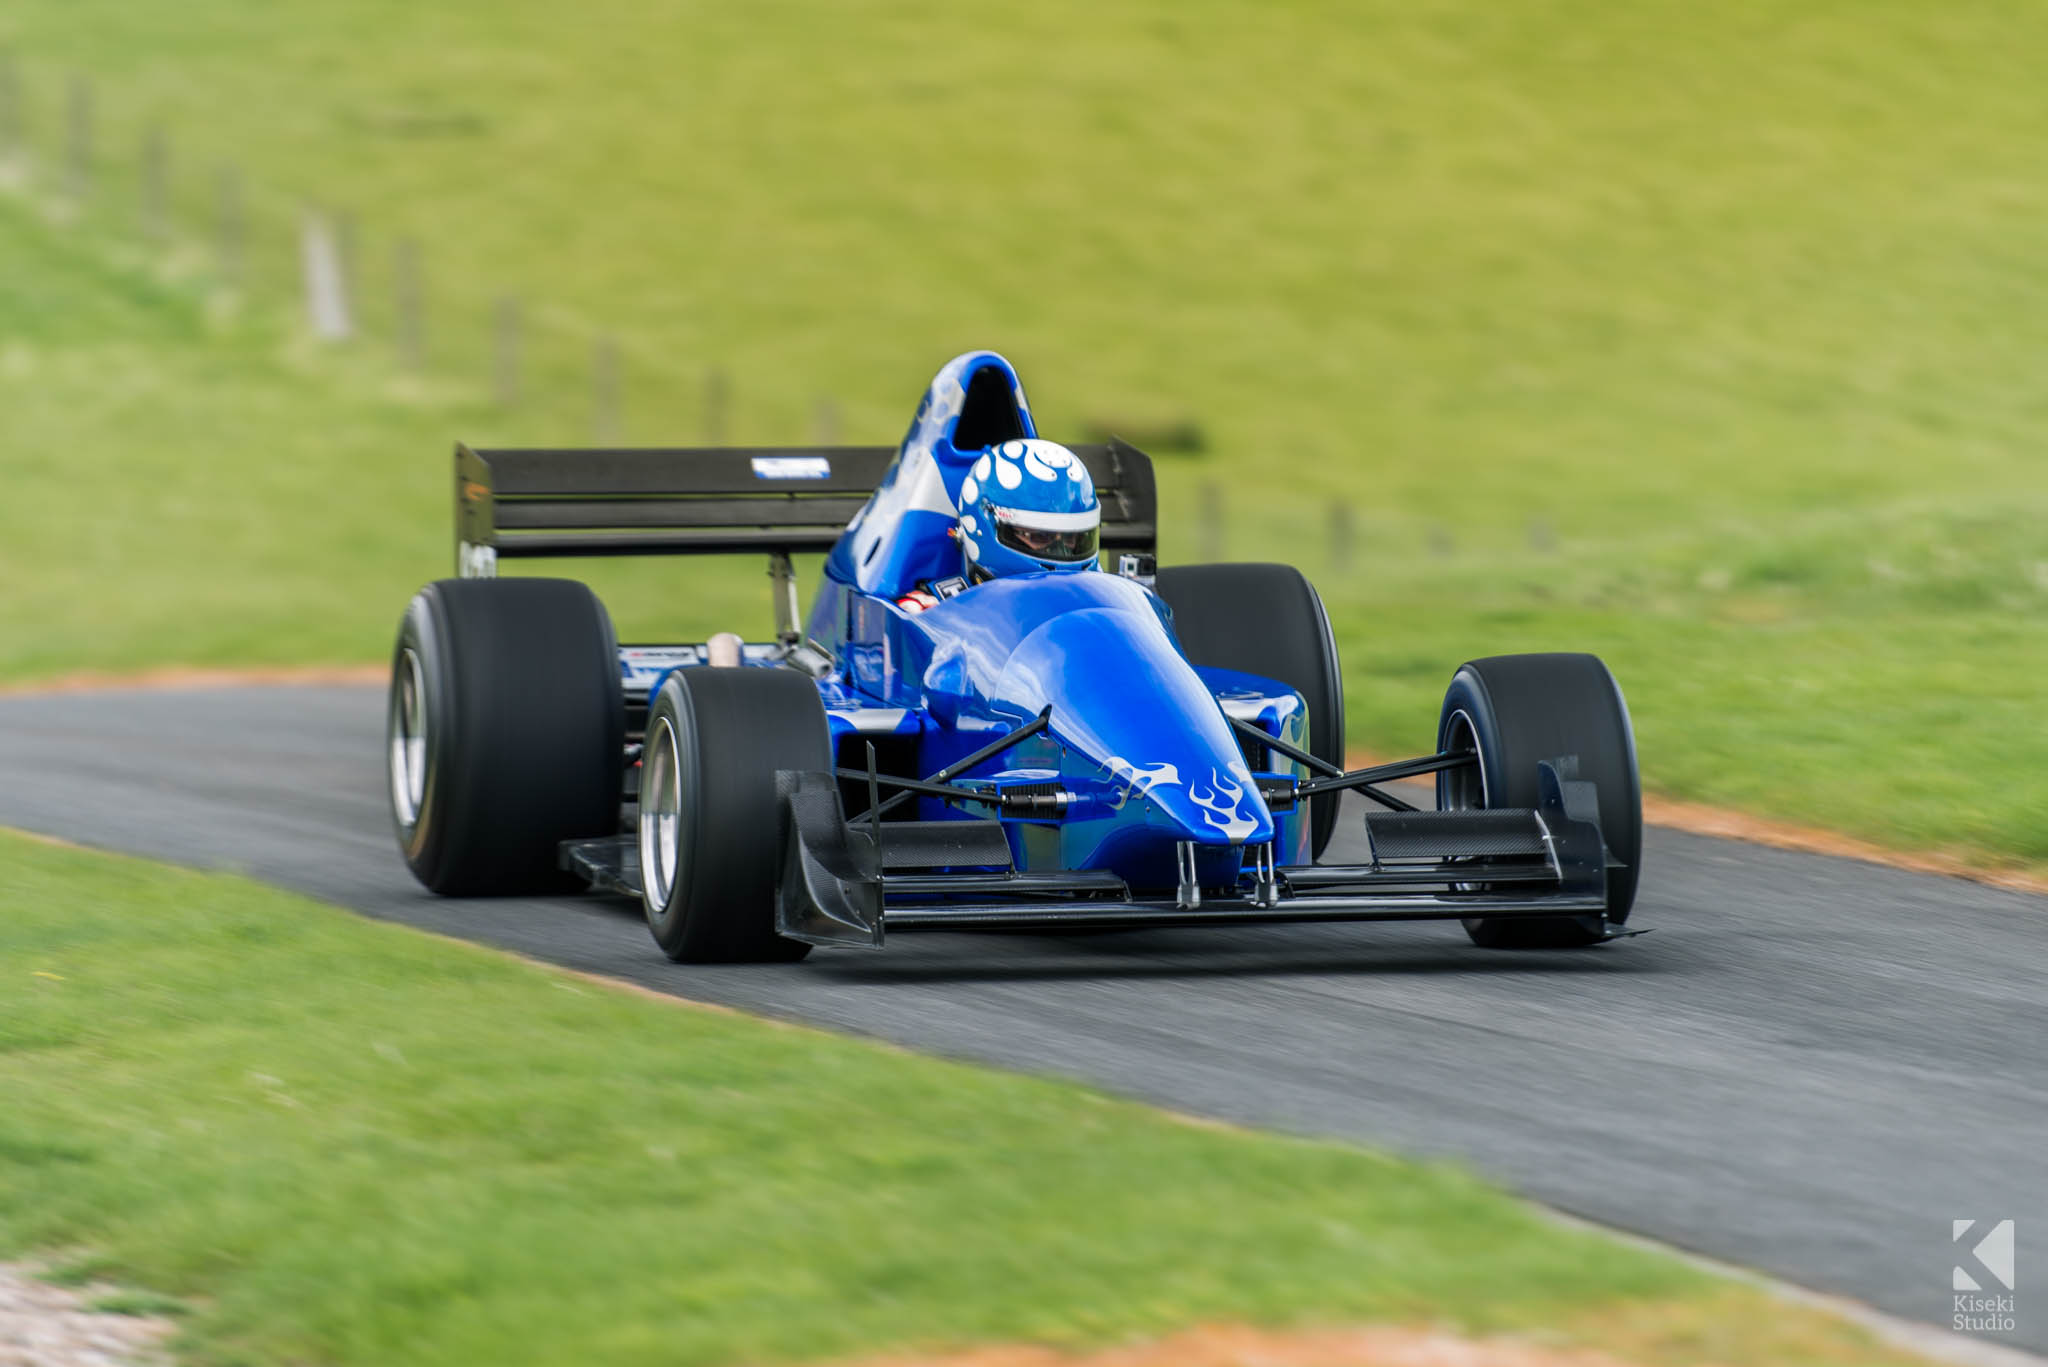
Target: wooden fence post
[[230, 229], [1343, 535], [156, 174], [326, 290], [1209, 523], [604, 390], [411, 300], [78, 139], [715, 398], [505, 351], [10, 109]]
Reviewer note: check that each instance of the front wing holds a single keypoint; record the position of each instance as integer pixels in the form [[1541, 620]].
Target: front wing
[[852, 883]]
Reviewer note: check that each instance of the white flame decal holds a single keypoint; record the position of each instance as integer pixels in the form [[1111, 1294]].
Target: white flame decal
[[1136, 780], [1224, 815]]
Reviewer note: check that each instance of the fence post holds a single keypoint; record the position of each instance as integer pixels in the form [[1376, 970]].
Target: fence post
[[715, 395], [1209, 523], [228, 196], [604, 391], [828, 422], [78, 139], [10, 109], [411, 302], [156, 157], [1343, 535], [352, 273], [505, 351], [326, 291]]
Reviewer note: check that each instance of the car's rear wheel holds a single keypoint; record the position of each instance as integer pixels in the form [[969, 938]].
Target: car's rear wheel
[[1515, 711], [505, 732], [1267, 620], [710, 828]]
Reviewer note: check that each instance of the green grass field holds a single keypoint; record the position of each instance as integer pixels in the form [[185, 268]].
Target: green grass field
[[1704, 337], [341, 1142]]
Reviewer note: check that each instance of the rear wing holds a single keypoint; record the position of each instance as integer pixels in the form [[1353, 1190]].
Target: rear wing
[[716, 500]]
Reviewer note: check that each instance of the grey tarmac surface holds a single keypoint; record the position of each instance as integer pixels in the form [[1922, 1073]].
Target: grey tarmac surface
[[1812, 1066]]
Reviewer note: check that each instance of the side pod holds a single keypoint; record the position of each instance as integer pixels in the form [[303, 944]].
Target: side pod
[[830, 892]]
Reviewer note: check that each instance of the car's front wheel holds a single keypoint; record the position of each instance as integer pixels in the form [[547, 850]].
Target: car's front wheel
[[1515, 711], [710, 828]]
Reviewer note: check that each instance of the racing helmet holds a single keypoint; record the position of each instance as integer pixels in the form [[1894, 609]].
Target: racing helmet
[[1028, 507]]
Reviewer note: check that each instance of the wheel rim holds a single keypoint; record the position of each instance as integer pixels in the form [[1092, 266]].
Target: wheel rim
[[1463, 788], [408, 738], [661, 807]]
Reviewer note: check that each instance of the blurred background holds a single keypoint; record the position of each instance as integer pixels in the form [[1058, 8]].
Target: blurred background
[[1707, 338]]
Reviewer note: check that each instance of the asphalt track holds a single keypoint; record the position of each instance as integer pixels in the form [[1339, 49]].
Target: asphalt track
[[1811, 1067]]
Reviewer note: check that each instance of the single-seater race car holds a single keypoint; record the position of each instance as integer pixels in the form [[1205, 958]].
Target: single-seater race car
[[1069, 743]]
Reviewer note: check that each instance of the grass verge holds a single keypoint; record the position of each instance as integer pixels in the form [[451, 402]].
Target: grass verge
[[344, 1142]]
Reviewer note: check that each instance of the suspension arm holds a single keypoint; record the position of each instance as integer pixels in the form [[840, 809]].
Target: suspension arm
[[1386, 773], [958, 766]]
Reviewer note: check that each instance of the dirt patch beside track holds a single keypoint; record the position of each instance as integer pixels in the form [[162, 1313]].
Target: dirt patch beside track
[[187, 679], [1697, 818], [1238, 1346], [42, 1325]]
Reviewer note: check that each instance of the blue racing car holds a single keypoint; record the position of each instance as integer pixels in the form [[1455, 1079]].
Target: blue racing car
[[998, 712]]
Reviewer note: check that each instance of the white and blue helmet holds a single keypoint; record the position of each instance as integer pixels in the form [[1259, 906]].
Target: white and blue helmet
[[1028, 507]]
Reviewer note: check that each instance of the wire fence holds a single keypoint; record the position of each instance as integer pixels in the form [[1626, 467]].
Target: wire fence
[[519, 367], [324, 271]]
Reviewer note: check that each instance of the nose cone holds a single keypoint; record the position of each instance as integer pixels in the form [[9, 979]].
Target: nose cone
[[1125, 700], [1204, 801]]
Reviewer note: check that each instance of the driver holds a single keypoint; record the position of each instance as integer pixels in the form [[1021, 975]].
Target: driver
[[1027, 507]]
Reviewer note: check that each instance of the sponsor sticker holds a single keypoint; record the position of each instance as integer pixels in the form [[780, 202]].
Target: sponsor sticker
[[792, 467], [640, 666]]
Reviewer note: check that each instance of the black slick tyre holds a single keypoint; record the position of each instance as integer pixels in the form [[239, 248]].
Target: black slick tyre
[[1514, 712], [1267, 620], [505, 732], [710, 825]]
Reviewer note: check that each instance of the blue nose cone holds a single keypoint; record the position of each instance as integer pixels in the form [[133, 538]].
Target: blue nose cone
[[1127, 703]]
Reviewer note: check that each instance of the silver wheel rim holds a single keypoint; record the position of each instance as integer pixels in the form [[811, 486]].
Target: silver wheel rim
[[661, 807], [1460, 784], [408, 739]]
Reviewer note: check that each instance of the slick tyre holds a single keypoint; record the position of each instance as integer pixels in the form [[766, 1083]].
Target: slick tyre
[[1514, 712], [710, 826], [1267, 620], [505, 732]]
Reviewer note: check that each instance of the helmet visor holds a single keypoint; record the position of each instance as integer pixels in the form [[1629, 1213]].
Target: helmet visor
[[1048, 536]]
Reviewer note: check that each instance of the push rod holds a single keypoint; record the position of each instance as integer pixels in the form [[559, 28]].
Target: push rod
[[1258, 733], [911, 787], [961, 766], [1293, 752], [1385, 773]]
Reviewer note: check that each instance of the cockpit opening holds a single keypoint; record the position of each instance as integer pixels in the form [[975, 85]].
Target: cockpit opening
[[989, 414]]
